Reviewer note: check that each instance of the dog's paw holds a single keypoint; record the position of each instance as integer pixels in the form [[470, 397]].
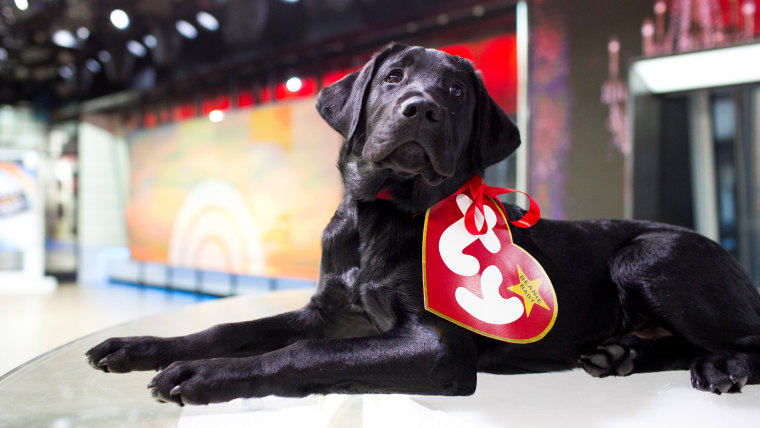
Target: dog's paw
[[612, 359], [720, 373], [199, 382], [125, 354]]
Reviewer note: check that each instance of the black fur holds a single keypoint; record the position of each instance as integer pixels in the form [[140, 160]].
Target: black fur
[[634, 296]]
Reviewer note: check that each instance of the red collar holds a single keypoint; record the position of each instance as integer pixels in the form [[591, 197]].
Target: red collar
[[477, 189], [384, 195]]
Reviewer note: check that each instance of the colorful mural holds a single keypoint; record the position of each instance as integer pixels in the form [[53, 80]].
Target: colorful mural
[[249, 194]]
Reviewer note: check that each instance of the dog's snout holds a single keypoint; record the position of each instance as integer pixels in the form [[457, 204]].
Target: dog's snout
[[417, 107]]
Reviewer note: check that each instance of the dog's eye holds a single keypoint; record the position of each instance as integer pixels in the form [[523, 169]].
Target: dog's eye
[[394, 76], [457, 90]]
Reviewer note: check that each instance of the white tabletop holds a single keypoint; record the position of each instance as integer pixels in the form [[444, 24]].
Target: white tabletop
[[59, 389]]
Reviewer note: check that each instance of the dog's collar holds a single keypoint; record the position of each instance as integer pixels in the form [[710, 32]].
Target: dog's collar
[[477, 189], [384, 195]]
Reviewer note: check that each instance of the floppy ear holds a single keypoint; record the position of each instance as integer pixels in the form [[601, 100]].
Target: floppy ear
[[496, 137], [342, 103]]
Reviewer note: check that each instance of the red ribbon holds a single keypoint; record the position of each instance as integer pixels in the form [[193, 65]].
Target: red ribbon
[[478, 189]]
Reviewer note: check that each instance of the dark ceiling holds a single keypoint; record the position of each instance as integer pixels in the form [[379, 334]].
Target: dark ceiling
[[90, 57]]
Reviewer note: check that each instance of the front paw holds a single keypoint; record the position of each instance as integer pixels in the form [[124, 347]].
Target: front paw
[[125, 354], [201, 382]]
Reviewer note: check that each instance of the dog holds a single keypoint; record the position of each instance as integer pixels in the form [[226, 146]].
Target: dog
[[636, 296]]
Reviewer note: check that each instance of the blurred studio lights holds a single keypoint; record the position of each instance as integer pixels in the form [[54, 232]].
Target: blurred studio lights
[[67, 71], [119, 19], [150, 41], [294, 84], [93, 65], [83, 33], [136, 48], [207, 21], [216, 116], [22, 4], [64, 39], [104, 56], [186, 29]]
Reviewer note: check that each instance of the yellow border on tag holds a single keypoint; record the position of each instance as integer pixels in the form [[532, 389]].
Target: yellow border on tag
[[475, 330]]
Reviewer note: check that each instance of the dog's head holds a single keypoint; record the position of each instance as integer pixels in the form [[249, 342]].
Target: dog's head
[[417, 123]]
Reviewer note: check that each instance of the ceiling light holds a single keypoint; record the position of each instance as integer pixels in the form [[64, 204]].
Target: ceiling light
[[150, 41], [3, 54], [64, 39], [83, 33], [186, 29], [119, 19], [104, 56], [93, 65], [136, 48], [207, 21], [216, 116], [22, 4], [294, 84], [696, 70]]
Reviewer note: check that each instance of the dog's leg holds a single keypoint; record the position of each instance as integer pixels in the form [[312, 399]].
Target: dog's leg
[[430, 358], [621, 356], [328, 315], [125, 354], [694, 289]]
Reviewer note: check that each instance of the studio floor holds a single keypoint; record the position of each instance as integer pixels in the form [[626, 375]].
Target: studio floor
[[32, 324]]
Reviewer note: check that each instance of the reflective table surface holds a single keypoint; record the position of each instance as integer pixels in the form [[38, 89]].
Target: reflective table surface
[[59, 389]]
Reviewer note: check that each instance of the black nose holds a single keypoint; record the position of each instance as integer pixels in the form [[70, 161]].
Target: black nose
[[413, 107]]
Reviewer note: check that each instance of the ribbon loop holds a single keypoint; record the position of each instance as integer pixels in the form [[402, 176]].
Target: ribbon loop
[[478, 189]]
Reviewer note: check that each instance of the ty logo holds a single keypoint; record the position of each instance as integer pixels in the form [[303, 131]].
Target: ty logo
[[456, 238], [492, 308]]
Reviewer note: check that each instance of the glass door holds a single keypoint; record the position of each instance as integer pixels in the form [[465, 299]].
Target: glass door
[[753, 189], [735, 119]]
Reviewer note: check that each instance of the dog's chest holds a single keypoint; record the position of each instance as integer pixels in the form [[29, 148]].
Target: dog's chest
[[390, 272]]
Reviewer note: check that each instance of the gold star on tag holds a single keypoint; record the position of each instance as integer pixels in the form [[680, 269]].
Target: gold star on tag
[[528, 290]]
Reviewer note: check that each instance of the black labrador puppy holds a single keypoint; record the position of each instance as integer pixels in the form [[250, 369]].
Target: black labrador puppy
[[635, 296]]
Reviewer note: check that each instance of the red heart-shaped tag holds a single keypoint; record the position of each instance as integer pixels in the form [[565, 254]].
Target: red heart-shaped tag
[[484, 282]]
